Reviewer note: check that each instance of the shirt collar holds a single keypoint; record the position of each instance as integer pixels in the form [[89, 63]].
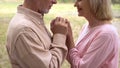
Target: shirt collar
[[28, 12]]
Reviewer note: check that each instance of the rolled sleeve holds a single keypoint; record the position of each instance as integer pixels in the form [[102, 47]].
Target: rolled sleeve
[[58, 50], [59, 39]]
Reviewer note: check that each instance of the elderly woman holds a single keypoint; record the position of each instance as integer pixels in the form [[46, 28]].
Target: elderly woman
[[97, 45]]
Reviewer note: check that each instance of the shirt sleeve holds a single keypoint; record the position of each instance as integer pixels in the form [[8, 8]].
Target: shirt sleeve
[[100, 49], [82, 29], [32, 53]]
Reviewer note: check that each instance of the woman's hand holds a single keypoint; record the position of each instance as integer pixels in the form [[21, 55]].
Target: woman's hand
[[69, 41]]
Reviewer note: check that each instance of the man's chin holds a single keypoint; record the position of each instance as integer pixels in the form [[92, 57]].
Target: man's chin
[[46, 11], [43, 12]]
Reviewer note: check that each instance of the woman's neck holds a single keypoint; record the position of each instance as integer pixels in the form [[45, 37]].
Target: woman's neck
[[94, 22]]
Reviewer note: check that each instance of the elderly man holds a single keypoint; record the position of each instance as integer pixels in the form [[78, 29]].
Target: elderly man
[[29, 44]]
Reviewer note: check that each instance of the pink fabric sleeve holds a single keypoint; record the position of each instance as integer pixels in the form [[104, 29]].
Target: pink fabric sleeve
[[83, 27], [100, 49]]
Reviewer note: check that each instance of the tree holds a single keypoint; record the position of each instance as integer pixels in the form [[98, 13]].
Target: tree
[[116, 1]]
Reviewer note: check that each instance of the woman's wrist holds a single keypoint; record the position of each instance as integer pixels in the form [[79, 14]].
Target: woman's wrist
[[70, 42]]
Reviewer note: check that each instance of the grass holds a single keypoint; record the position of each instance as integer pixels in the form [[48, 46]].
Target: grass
[[116, 7], [8, 9], [4, 61]]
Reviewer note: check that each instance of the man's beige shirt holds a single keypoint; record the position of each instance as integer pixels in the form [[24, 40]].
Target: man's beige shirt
[[29, 43]]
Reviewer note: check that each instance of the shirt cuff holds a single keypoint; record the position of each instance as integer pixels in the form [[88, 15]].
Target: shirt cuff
[[72, 52], [59, 39]]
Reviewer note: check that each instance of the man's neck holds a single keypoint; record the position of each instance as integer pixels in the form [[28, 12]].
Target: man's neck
[[29, 5]]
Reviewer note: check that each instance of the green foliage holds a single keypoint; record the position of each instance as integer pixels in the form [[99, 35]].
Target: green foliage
[[116, 1], [60, 1], [4, 60]]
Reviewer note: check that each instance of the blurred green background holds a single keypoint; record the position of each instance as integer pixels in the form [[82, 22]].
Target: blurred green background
[[64, 8]]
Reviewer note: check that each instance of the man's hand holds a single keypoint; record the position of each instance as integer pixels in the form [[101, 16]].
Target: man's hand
[[59, 25]]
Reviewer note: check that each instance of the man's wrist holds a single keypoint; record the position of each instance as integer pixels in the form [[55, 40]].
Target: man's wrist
[[59, 38]]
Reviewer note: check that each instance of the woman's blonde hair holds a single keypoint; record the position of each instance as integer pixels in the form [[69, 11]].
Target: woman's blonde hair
[[101, 9]]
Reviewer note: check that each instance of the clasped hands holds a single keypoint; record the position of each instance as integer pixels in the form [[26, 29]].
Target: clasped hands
[[62, 26], [59, 25]]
